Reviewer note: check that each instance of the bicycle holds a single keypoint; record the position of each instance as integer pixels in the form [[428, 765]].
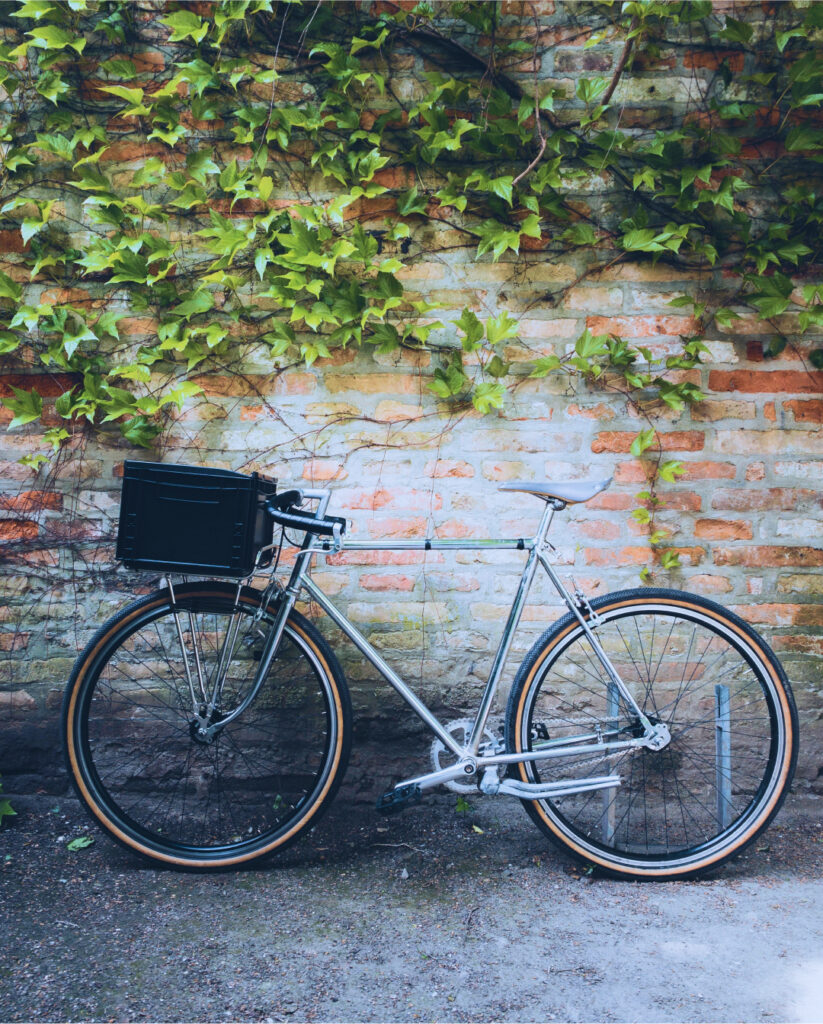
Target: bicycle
[[650, 732]]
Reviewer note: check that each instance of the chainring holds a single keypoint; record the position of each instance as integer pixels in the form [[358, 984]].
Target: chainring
[[442, 757]]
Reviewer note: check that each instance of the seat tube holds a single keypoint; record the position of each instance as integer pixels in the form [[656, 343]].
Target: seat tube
[[509, 631]]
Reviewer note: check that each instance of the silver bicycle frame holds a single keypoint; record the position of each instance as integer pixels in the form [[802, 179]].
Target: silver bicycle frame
[[469, 757]]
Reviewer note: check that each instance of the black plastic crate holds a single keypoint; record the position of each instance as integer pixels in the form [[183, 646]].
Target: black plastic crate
[[192, 519]]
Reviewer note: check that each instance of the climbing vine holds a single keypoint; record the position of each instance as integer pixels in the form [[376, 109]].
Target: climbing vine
[[219, 168]]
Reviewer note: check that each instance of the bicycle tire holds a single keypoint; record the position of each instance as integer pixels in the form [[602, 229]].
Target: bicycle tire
[[684, 810], [131, 749]]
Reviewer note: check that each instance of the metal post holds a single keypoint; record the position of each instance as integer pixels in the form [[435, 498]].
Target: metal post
[[723, 754], [612, 713]]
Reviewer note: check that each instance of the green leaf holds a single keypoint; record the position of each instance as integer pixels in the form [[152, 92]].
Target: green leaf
[[185, 24], [52, 86], [545, 366], [669, 471], [588, 89], [471, 327], [6, 809], [80, 843], [9, 341], [589, 345], [26, 406], [500, 327], [411, 202], [119, 67], [496, 367], [487, 396], [644, 440], [816, 358], [50, 37], [140, 431], [9, 289], [194, 303]]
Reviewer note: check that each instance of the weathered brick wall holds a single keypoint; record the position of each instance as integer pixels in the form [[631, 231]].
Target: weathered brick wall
[[746, 514]]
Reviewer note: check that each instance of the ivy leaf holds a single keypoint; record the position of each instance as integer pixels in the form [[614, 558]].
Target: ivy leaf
[[487, 396], [50, 37], [589, 345], [140, 431], [816, 358], [471, 327], [9, 289], [385, 336], [26, 406], [644, 440], [543, 367], [496, 367], [588, 89], [185, 24], [500, 327], [411, 202], [80, 843], [119, 67], [194, 303], [52, 86], [669, 471], [9, 341]]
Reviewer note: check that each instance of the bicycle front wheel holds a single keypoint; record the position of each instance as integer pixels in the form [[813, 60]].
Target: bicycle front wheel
[[698, 669], [134, 752]]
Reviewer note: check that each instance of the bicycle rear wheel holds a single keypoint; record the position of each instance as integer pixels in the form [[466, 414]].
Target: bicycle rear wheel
[[704, 673], [137, 761]]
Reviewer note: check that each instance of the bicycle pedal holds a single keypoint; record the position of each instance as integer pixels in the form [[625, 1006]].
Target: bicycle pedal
[[398, 799]]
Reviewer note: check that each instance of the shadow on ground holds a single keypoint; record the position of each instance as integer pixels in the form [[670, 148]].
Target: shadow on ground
[[434, 915]]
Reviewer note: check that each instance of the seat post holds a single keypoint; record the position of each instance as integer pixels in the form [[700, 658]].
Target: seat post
[[552, 505]]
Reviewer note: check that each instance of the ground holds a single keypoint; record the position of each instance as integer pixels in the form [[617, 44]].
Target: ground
[[418, 917]]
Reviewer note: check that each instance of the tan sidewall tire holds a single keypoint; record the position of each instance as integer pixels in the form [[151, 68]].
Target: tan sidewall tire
[[784, 705], [300, 628]]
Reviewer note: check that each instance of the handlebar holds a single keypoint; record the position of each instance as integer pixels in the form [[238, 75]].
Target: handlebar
[[284, 510]]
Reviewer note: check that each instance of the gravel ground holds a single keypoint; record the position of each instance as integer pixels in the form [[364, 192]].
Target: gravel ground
[[419, 917]]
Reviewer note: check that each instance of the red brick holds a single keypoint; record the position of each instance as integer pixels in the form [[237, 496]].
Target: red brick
[[124, 151], [680, 501], [703, 59], [674, 441], [642, 326], [599, 529], [375, 581], [768, 556], [722, 529], [706, 581], [756, 471], [750, 499], [611, 502], [385, 558], [14, 641], [612, 557], [48, 385], [402, 528], [708, 471], [12, 241], [374, 383], [766, 381], [448, 467], [781, 614], [31, 501], [810, 411], [17, 529]]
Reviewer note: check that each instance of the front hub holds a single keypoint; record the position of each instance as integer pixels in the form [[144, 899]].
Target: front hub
[[206, 734]]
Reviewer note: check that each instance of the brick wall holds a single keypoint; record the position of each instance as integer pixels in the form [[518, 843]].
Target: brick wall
[[746, 515]]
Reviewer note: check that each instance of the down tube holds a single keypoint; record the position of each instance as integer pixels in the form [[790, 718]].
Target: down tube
[[388, 673]]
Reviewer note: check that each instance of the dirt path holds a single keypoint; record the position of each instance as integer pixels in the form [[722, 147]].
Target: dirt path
[[416, 917]]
